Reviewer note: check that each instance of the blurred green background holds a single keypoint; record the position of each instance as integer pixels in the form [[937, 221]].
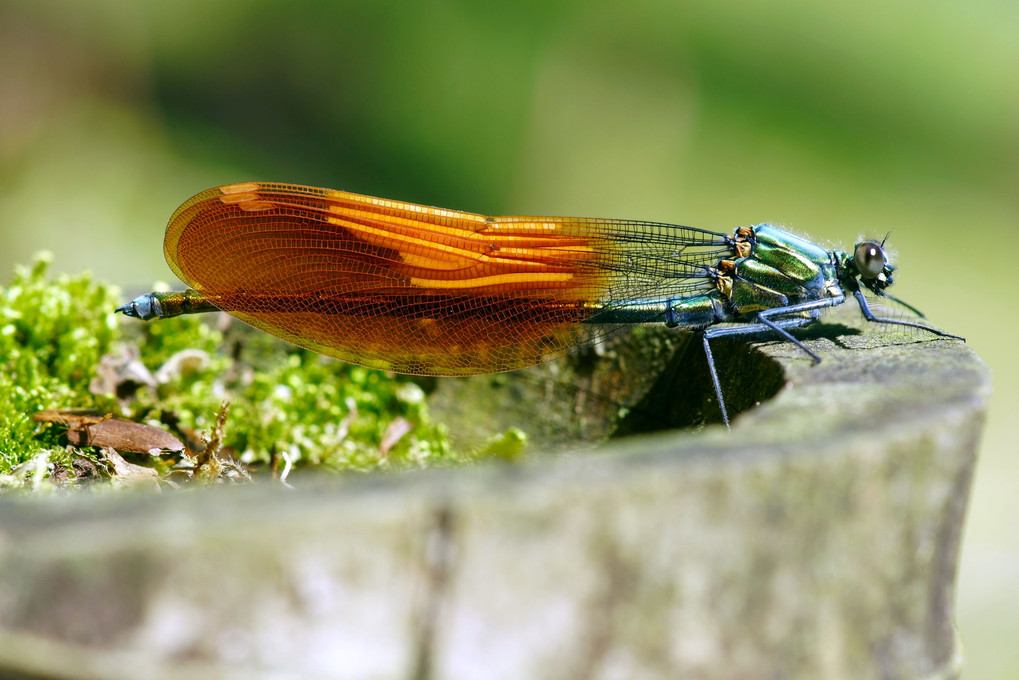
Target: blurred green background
[[838, 119]]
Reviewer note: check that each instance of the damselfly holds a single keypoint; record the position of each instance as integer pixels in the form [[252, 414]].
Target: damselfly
[[427, 291]]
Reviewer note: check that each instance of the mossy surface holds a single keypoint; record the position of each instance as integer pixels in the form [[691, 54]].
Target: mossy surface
[[55, 334], [52, 335]]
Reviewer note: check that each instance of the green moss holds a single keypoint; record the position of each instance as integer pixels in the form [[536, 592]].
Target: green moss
[[509, 445], [51, 338]]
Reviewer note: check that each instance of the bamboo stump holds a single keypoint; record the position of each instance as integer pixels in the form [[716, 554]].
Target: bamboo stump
[[819, 539]]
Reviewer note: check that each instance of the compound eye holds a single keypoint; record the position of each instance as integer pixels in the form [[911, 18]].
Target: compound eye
[[870, 259]]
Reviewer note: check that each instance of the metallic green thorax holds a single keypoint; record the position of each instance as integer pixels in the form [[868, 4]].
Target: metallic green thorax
[[795, 258], [776, 269]]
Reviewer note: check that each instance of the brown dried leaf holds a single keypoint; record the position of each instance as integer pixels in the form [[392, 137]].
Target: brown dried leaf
[[88, 428], [124, 435], [72, 417]]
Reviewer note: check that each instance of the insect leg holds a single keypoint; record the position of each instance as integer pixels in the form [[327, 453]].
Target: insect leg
[[811, 306], [742, 329], [714, 381], [869, 316], [788, 336]]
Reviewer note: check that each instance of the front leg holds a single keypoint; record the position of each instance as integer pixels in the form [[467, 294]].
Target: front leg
[[869, 316]]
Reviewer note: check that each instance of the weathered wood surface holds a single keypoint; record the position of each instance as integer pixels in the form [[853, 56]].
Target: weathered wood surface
[[819, 539]]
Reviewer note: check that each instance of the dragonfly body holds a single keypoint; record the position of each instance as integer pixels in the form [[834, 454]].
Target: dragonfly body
[[423, 290]]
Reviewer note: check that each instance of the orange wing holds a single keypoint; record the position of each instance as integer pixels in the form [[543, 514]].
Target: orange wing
[[415, 289]]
